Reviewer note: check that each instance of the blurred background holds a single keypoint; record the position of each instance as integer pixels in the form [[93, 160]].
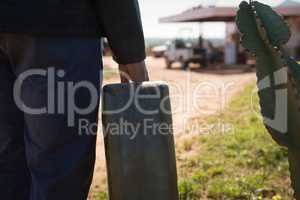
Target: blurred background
[[204, 32], [223, 150]]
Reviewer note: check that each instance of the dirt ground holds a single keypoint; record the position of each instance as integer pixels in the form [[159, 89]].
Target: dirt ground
[[194, 93]]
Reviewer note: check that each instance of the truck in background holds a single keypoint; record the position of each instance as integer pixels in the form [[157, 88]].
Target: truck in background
[[185, 53]]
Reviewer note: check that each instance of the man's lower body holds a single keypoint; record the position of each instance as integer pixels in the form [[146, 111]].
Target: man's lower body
[[48, 90]]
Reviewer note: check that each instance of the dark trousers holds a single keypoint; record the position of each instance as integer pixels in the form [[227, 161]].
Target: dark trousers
[[45, 154]]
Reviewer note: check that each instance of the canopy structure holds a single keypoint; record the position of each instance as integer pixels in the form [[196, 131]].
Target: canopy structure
[[226, 14]]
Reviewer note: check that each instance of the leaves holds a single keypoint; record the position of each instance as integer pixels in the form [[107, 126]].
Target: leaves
[[269, 61], [264, 34], [246, 23], [277, 29]]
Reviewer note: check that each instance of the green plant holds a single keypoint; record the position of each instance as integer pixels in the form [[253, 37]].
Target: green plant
[[102, 196], [242, 164], [186, 190], [264, 34]]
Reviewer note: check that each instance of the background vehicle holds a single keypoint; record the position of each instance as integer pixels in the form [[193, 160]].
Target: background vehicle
[[159, 51], [183, 52]]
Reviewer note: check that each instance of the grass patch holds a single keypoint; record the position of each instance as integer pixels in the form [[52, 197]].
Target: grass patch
[[242, 162], [110, 73], [101, 196]]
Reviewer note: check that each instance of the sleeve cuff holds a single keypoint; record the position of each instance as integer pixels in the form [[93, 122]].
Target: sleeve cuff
[[130, 60], [127, 52]]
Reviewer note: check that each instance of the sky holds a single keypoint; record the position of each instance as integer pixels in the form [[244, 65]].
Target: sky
[[152, 10]]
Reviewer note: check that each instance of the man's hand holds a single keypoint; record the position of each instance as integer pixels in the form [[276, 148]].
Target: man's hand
[[136, 72]]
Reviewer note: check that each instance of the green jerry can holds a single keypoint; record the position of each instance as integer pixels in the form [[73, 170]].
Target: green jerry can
[[139, 142]]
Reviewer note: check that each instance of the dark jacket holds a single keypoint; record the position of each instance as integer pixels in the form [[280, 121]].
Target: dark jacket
[[118, 20]]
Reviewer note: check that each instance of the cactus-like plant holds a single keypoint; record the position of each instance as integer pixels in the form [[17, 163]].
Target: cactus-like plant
[[264, 34]]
